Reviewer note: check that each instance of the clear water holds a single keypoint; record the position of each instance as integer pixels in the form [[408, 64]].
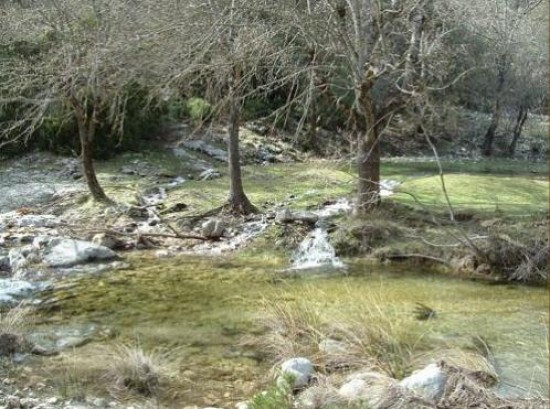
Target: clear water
[[202, 307]]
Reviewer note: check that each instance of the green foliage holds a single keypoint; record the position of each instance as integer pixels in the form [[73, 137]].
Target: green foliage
[[198, 109], [176, 109], [255, 108], [276, 397]]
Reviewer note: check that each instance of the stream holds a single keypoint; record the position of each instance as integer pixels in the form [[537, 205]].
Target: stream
[[200, 309]]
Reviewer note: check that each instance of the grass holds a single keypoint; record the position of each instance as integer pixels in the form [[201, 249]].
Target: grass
[[16, 321], [123, 371], [513, 195], [132, 370], [371, 335]]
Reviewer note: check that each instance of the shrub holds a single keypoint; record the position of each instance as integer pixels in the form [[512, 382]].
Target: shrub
[[198, 109]]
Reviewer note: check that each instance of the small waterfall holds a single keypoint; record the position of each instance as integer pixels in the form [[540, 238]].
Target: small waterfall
[[316, 251]]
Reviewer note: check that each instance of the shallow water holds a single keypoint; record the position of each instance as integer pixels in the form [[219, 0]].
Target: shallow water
[[202, 307]]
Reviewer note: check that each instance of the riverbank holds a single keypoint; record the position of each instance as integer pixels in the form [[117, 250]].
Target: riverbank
[[162, 221]]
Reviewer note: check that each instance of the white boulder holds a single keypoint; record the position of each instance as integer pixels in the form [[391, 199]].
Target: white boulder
[[69, 252], [428, 382]]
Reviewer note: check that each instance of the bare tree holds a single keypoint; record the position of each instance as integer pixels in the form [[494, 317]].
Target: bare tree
[[224, 49], [368, 58], [501, 26], [84, 60]]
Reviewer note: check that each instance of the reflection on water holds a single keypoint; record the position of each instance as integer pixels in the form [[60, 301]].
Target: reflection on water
[[204, 306]]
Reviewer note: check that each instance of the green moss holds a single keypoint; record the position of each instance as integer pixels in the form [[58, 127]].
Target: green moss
[[510, 194]]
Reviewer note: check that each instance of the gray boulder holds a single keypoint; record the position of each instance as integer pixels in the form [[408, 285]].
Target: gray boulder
[[21, 257], [11, 291], [69, 252], [288, 216], [106, 240], [428, 382], [299, 370], [362, 385], [207, 149], [37, 220], [213, 228]]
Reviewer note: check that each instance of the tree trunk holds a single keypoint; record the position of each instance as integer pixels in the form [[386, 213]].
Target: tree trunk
[[487, 146], [86, 141], [489, 138], [518, 127], [368, 156], [238, 202]]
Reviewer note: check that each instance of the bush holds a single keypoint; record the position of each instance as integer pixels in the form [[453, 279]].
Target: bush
[[198, 109]]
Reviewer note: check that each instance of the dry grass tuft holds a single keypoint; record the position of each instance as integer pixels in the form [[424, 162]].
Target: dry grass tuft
[[293, 329], [465, 391], [132, 370], [16, 321], [378, 337], [367, 334], [525, 260]]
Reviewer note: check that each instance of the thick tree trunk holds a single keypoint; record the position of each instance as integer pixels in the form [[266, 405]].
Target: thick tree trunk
[[368, 156], [86, 155], [518, 127], [368, 163], [238, 202]]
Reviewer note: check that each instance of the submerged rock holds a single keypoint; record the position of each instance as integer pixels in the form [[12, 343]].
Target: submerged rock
[[69, 252]]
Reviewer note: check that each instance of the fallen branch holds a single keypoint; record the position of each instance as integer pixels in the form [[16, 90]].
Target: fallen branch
[[418, 256], [166, 235], [176, 235], [460, 243]]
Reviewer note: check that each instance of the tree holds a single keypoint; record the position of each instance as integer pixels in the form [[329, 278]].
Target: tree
[[501, 26], [224, 48], [83, 60], [529, 76], [369, 58]]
